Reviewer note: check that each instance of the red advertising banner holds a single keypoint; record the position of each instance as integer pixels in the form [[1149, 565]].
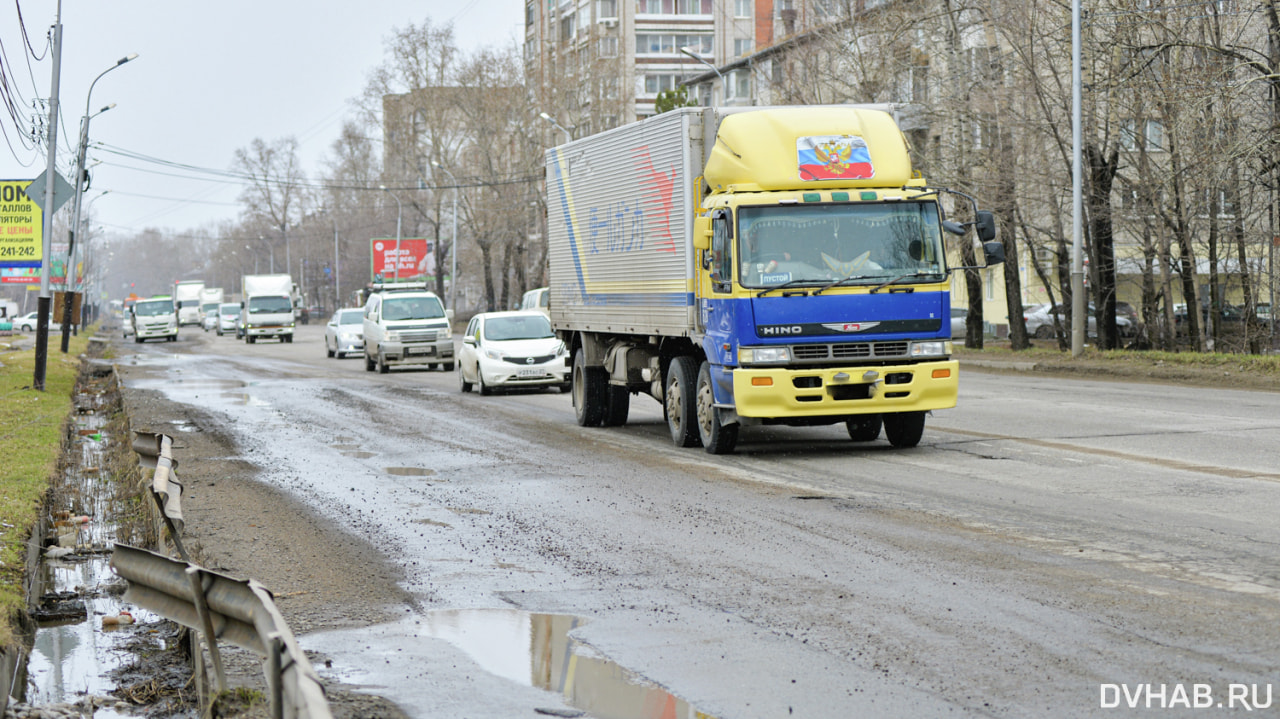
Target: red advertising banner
[[417, 261]]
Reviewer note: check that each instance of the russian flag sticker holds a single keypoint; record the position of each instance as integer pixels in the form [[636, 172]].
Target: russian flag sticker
[[834, 157]]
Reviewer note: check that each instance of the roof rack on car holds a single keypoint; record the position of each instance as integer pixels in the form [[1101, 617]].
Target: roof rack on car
[[395, 286]]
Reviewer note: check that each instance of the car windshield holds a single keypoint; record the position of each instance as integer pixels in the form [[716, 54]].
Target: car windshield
[[518, 328], [153, 309], [229, 309], [269, 305], [350, 317], [411, 308], [870, 242]]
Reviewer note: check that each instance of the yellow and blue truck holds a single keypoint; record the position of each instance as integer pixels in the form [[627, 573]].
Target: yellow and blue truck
[[749, 266]]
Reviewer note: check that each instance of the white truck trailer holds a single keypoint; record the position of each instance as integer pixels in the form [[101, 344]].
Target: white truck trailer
[[268, 307], [186, 295], [210, 298]]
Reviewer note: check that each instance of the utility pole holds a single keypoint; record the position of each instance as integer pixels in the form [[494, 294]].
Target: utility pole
[[42, 305]]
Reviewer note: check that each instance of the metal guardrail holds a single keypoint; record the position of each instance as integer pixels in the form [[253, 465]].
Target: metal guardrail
[[239, 611]]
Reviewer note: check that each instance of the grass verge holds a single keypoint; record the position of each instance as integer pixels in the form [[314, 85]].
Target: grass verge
[[31, 435]]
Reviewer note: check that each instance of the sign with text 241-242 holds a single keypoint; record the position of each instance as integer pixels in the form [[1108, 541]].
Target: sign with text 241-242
[[21, 241], [417, 260]]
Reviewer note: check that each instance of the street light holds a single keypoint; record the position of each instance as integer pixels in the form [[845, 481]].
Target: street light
[[567, 135], [689, 51], [399, 215], [453, 252], [79, 190]]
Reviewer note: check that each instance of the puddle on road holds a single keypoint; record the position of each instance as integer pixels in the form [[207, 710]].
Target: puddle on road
[[359, 455], [408, 471], [346, 446], [533, 650]]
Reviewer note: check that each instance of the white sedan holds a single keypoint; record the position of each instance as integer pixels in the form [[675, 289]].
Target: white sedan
[[511, 349]]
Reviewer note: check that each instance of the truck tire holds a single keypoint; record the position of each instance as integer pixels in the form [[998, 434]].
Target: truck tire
[[287, 338], [716, 438], [904, 429], [251, 339], [369, 364], [383, 368], [589, 385], [617, 405], [681, 401], [447, 366], [864, 428]]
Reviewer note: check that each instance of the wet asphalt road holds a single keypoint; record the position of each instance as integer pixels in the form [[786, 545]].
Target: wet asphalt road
[[1048, 539]]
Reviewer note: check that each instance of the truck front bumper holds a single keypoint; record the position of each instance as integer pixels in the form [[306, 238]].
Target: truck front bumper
[[767, 393], [268, 330]]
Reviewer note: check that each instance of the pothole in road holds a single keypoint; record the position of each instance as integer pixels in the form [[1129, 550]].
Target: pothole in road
[[359, 455], [408, 471], [530, 649]]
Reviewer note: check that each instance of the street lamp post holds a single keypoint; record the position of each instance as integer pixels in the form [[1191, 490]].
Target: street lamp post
[[724, 86], [453, 251], [79, 192], [399, 215], [567, 135]]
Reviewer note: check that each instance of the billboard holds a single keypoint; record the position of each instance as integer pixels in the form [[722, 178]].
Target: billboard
[[417, 260], [20, 222]]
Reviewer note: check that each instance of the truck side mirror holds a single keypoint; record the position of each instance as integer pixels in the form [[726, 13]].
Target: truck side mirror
[[994, 252], [954, 228], [986, 225], [702, 232]]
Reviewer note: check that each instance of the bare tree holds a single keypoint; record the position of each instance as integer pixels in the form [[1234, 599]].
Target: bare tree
[[274, 196]]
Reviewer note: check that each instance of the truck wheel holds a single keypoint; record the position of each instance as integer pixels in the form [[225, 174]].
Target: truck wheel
[[716, 438], [589, 384], [287, 338], [137, 339], [251, 339], [904, 429], [369, 365], [617, 405], [382, 364], [447, 366], [682, 401], [865, 428]]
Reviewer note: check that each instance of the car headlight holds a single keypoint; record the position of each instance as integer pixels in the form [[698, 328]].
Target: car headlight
[[347, 335], [561, 350], [764, 355], [393, 336], [493, 354], [930, 349]]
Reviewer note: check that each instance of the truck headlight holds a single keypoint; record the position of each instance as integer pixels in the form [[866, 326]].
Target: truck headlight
[[930, 349], [393, 336], [764, 355]]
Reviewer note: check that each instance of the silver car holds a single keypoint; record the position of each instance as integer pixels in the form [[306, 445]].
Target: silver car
[[345, 333]]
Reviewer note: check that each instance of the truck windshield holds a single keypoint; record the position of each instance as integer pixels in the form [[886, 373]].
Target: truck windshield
[[153, 309], [411, 308], [269, 305], [867, 243]]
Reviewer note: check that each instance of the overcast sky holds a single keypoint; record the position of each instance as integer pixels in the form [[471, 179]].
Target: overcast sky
[[209, 78]]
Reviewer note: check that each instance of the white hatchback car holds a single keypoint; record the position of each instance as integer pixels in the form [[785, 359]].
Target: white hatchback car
[[345, 333], [511, 349]]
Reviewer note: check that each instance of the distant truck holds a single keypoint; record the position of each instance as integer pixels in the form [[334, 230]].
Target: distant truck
[[267, 309], [187, 297], [154, 317], [210, 298], [752, 266]]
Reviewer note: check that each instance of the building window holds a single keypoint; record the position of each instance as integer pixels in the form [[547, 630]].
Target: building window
[[673, 7], [651, 44], [566, 27], [742, 8], [610, 88], [738, 85], [528, 15], [655, 83], [608, 9], [743, 46], [608, 47], [1151, 132], [609, 122]]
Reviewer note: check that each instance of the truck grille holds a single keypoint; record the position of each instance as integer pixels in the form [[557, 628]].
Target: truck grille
[[529, 360], [850, 350]]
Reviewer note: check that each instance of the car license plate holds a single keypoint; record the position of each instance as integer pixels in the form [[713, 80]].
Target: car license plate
[[530, 372], [421, 350]]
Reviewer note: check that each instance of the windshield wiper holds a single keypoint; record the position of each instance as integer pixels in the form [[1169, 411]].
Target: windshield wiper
[[782, 286], [913, 275], [842, 280]]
